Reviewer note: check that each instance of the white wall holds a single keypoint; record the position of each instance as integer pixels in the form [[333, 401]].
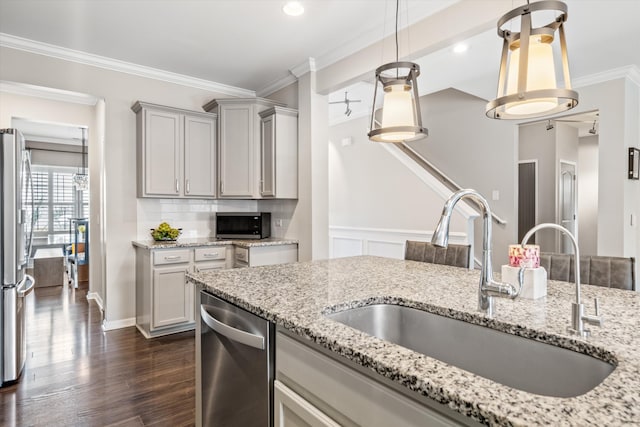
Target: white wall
[[588, 195], [369, 188]]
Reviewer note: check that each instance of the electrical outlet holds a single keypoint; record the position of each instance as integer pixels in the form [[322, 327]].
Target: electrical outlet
[[495, 195], [278, 223]]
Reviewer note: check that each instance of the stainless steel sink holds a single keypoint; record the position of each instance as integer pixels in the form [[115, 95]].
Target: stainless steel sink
[[511, 360]]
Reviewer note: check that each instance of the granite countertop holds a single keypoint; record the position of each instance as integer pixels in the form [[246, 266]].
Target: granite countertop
[[295, 296], [210, 241]]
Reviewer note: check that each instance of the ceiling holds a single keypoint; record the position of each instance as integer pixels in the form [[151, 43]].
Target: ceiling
[[252, 44], [247, 44]]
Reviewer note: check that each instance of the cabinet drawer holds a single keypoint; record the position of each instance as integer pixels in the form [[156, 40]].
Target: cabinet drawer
[[201, 267], [242, 254], [170, 257], [211, 253]]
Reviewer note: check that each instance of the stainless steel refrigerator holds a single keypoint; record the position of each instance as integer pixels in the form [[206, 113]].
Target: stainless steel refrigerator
[[16, 235]]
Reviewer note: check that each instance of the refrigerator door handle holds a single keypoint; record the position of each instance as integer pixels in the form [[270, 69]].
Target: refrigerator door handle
[[33, 205], [26, 286], [252, 340]]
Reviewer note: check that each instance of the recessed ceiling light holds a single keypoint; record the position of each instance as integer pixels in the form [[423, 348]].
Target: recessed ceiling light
[[460, 48], [293, 8]]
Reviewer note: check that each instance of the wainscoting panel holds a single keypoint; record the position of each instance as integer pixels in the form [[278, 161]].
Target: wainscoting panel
[[388, 243]]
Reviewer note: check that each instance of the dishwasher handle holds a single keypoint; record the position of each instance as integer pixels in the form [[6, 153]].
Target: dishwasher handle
[[246, 338]]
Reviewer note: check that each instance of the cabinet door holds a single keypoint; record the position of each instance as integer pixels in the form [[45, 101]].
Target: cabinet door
[[172, 297], [162, 151], [236, 143], [291, 410], [267, 155], [199, 157]]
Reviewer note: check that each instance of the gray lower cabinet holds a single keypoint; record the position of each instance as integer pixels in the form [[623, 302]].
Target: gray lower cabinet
[[255, 256], [165, 302], [291, 410], [313, 388], [176, 152]]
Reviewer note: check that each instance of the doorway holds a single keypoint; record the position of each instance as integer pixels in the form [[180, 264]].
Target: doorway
[[567, 203], [527, 197]]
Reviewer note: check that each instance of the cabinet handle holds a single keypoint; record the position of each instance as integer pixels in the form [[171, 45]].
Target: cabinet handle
[[210, 255], [177, 186], [261, 186], [221, 187], [172, 257], [188, 187]]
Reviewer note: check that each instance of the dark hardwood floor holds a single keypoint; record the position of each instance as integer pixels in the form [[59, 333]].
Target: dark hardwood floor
[[78, 375]]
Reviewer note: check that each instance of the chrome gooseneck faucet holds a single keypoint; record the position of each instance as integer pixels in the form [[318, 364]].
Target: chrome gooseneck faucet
[[489, 288], [578, 318]]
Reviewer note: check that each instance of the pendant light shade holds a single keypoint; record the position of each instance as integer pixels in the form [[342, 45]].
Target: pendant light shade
[[400, 118], [527, 86]]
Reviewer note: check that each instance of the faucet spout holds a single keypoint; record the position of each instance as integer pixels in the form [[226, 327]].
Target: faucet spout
[[578, 318], [488, 287]]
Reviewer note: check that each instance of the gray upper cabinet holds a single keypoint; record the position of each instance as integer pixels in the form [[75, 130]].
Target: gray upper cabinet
[[176, 152], [241, 151], [279, 153]]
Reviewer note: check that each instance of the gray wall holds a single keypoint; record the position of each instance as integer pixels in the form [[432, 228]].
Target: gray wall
[[369, 188], [477, 153], [588, 195]]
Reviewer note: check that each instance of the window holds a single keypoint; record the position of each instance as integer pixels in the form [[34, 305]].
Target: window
[[56, 200]]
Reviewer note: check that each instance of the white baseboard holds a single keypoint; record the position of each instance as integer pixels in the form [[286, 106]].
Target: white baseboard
[[110, 325], [97, 298], [389, 243]]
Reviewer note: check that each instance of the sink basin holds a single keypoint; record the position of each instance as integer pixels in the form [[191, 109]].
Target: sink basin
[[514, 361]]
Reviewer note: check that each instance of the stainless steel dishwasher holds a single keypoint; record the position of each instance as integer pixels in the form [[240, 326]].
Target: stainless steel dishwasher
[[236, 357]]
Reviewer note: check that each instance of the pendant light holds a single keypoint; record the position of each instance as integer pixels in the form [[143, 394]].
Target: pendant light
[[400, 119], [527, 86], [81, 179]]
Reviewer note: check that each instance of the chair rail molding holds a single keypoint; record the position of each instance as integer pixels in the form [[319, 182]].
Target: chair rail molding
[[345, 241]]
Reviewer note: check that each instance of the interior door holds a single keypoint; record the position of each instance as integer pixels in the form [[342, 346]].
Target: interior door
[[527, 207], [567, 204]]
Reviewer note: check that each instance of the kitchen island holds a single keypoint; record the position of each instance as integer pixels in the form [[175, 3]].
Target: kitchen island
[[297, 297]]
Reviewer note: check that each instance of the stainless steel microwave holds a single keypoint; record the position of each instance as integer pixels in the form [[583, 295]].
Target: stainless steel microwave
[[243, 225]]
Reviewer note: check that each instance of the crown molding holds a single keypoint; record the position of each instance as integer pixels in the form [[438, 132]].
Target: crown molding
[[276, 85], [304, 68], [631, 72], [19, 43], [47, 93]]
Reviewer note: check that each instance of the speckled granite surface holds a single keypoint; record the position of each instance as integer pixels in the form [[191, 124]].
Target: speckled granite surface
[[295, 296], [187, 243]]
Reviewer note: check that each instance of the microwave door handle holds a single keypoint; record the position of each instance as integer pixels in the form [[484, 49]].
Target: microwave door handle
[[246, 338]]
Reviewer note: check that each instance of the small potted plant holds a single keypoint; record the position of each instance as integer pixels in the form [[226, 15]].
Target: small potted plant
[[165, 233]]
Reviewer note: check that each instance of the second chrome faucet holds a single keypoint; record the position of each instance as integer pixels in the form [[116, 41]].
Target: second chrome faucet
[[488, 288]]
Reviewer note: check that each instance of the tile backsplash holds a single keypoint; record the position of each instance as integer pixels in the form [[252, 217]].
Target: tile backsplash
[[197, 217]]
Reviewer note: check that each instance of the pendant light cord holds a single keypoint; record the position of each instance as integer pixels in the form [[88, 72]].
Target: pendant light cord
[[83, 145], [397, 7]]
